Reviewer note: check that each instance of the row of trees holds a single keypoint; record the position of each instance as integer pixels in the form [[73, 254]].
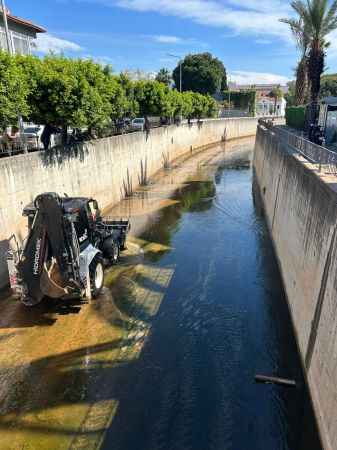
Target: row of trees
[[79, 93], [314, 21]]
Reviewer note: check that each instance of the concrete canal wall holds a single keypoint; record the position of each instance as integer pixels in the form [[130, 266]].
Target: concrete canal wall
[[101, 168], [300, 206]]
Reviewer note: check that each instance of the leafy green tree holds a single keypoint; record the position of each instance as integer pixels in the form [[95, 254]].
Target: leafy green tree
[[164, 76], [212, 107], [328, 86], [131, 106], [201, 73], [66, 92], [187, 104], [172, 103], [200, 105], [241, 99], [151, 97], [290, 95], [14, 91]]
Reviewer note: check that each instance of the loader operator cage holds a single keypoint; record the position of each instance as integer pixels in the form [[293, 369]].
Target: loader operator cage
[[79, 210]]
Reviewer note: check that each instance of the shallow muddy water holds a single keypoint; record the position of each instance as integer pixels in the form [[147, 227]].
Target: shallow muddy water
[[165, 359], [223, 319]]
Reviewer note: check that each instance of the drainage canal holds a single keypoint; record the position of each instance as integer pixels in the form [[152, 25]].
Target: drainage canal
[[222, 320]]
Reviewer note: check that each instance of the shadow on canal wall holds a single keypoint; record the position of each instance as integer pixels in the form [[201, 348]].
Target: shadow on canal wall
[[107, 169], [300, 209]]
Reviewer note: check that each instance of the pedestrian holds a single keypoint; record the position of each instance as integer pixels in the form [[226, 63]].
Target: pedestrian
[[46, 135]]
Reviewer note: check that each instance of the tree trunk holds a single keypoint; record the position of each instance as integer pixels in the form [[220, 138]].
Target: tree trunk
[[315, 70], [301, 87]]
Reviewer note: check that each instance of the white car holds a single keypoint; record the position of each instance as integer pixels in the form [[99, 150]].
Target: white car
[[138, 124], [33, 134]]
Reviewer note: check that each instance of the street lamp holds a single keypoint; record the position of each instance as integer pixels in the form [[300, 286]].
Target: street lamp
[[10, 48], [180, 69]]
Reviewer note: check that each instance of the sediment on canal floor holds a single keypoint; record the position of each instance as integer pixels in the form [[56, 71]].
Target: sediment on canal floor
[[300, 209], [107, 169]]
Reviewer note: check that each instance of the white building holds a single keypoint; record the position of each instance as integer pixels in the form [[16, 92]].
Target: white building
[[266, 107], [22, 33]]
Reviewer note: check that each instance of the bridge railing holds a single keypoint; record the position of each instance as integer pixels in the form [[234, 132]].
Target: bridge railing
[[316, 154]]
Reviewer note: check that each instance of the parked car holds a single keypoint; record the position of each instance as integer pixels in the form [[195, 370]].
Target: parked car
[[33, 135], [122, 125], [138, 124]]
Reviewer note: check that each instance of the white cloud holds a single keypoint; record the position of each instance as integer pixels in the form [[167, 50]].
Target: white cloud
[[242, 77], [242, 16], [48, 43], [263, 41], [164, 39]]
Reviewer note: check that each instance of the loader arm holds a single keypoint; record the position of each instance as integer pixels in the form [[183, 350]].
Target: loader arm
[[47, 238]]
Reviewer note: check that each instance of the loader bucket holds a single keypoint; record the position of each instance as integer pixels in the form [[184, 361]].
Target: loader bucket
[[51, 282]]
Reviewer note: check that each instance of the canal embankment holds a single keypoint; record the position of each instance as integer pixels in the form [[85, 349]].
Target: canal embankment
[[299, 203], [107, 169]]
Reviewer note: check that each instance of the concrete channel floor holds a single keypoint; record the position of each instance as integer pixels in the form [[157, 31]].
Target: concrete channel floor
[[54, 383]]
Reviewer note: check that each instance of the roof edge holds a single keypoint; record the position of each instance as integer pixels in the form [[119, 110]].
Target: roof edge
[[25, 22]]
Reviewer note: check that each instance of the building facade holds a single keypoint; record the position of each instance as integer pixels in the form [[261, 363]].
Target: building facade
[[22, 34]]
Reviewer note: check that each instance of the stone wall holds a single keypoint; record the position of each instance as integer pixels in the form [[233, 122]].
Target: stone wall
[[300, 208], [101, 168]]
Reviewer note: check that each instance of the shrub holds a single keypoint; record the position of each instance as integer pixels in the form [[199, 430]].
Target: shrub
[[295, 117]]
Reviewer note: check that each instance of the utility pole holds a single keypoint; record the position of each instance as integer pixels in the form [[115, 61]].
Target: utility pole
[[8, 38], [11, 52]]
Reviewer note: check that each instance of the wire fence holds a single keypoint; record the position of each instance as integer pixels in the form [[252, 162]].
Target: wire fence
[[325, 159]]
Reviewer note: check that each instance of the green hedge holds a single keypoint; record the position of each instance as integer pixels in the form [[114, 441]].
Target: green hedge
[[295, 116]]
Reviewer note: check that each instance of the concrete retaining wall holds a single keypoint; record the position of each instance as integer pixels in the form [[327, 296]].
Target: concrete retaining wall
[[301, 210], [100, 168]]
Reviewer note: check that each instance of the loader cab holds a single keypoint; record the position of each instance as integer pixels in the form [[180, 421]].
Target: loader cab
[[84, 213]]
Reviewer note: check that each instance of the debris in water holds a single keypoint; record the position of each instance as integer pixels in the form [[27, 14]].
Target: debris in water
[[275, 380]]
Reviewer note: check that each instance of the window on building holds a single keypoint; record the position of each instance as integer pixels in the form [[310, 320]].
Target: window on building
[[3, 40], [21, 43]]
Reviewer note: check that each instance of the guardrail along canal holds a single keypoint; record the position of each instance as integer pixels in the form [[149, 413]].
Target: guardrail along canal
[[222, 319]]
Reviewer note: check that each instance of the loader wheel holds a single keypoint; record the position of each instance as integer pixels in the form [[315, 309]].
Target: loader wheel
[[115, 253], [30, 301], [96, 271]]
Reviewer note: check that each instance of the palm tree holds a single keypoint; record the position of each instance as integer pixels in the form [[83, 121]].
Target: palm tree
[[302, 38], [276, 93], [319, 19]]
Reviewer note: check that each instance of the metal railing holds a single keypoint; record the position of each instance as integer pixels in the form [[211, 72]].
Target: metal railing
[[314, 153], [16, 146]]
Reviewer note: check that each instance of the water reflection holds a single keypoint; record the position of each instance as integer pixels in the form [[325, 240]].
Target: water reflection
[[224, 318]]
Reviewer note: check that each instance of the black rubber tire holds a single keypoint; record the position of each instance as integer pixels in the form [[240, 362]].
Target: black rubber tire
[[29, 302], [96, 272], [115, 253]]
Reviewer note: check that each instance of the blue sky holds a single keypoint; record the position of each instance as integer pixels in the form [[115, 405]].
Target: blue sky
[[138, 34]]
